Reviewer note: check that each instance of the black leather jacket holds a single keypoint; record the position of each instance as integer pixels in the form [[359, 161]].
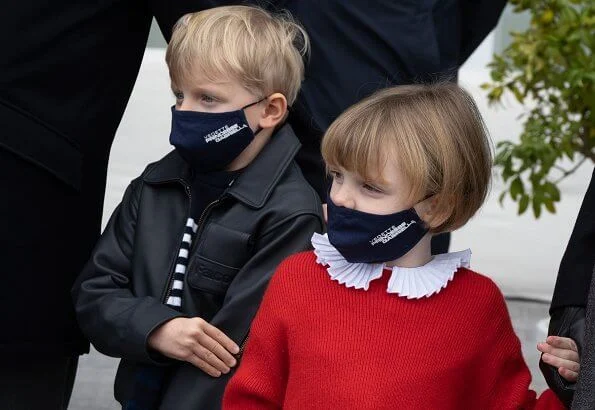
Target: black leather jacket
[[268, 213]]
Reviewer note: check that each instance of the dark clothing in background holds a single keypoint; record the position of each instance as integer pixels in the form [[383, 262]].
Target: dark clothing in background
[[66, 72], [361, 46], [68, 68], [37, 383], [584, 398], [575, 273], [569, 317]]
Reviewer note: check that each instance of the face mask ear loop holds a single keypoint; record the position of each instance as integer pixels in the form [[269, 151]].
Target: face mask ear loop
[[255, 102], [258, 129]]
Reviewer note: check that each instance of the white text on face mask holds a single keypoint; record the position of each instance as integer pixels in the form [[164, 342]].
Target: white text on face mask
[[391, 233], [223, 133]]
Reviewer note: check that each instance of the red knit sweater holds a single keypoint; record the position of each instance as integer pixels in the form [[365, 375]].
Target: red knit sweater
[[316, 344]]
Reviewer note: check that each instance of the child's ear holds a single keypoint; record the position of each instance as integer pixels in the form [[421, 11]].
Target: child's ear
[[275, 111], [435, 210]]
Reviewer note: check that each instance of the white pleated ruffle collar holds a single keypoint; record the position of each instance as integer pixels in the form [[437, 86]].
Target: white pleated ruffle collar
[[412, 283]]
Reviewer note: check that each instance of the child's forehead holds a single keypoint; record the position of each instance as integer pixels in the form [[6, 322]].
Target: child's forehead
[[195, 75]]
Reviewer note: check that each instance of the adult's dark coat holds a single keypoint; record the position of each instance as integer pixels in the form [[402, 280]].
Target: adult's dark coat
[[584, 398], [66, 72], [570, 298], [574, 275]]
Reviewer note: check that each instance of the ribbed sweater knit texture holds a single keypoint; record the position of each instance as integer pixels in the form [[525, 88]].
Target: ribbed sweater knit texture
[[316, 344]]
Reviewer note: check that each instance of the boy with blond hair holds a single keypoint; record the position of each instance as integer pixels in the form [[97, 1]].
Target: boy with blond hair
[[179, 272]]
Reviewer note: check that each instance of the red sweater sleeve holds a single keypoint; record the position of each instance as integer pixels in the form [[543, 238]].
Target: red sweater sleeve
[[260, 380], [502, 377]]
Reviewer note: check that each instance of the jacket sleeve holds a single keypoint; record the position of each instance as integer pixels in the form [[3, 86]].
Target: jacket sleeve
[[502, 379], [574, 275], [289, 236], [115, 320], [567, 310], [585, 386], [260, 381]]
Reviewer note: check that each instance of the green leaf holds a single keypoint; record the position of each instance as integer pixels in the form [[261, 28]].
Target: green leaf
[[507, 172], [518, 95], [516, 188], [496, 75], [536, 207], [495, 94], [523, 204], [549, 205], [552, 190]]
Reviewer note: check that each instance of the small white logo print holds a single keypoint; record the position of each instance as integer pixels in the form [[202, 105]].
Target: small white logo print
[[223, 133], [391, 233]]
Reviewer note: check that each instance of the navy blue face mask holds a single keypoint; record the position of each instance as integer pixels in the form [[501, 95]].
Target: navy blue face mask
[[210, 141], [368, 238]]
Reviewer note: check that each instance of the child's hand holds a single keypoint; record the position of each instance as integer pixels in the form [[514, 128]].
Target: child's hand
[[562, 353], [195, 341]]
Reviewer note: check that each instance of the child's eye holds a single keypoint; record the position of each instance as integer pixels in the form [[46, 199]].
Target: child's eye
[[372, 188], [179, 95], [207, 98], [337, 176]]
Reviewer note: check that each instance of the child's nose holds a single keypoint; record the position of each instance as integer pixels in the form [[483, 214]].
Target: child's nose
[[343, 197]]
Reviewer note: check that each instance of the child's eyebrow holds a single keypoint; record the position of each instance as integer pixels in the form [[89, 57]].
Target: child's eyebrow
[[206, 89], [378, 182]]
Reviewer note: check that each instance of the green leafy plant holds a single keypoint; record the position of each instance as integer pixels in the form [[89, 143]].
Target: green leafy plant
[[550, 68]]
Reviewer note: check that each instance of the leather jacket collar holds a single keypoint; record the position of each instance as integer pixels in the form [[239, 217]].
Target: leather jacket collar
[[254, 186]]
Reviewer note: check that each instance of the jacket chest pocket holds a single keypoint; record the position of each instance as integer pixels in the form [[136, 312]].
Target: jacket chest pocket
[[219, 256]]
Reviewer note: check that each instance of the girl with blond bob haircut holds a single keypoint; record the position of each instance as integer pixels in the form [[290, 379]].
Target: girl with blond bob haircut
[[434, 134], [370, 319]]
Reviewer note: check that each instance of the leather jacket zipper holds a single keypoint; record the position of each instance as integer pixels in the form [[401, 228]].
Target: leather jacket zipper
[[167, 290], [207, 210], [200, 223], [204, 215], [242, 347]]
